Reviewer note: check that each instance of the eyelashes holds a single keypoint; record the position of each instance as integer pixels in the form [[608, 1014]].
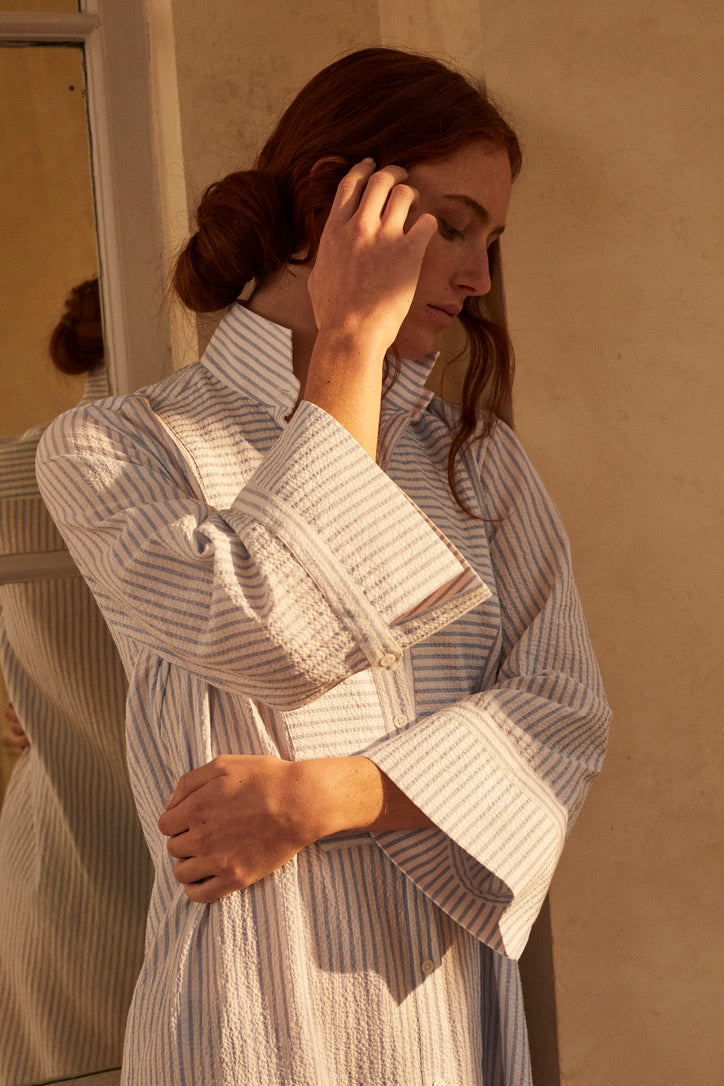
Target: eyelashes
[[448, 231]]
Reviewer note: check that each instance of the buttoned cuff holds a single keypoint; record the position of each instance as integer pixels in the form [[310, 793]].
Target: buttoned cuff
[[389, 576], [504, 829]]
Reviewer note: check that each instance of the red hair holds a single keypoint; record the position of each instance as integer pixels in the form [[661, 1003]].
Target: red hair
[[76, 342], [394, 106]]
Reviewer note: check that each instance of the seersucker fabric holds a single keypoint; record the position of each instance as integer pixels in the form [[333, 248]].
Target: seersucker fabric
[[274, 590], [75, 875]]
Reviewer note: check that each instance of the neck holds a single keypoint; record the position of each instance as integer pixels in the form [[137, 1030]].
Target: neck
[[284, 299]]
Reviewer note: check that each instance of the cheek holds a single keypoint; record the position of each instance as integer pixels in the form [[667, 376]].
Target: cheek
[[432, 270]]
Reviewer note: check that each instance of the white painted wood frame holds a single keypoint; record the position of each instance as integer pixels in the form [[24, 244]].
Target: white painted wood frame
[[114, 37]]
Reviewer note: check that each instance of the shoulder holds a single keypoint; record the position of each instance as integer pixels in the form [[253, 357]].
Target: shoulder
[[116, 419], [17, 464], [500, 450], [508, 479]]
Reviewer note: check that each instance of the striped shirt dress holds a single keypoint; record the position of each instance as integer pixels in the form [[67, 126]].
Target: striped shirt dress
[[273, 590], [75, 874]]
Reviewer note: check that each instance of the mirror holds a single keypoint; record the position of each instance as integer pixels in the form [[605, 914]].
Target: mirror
[[48, 223], [49, 242], [47, 232]]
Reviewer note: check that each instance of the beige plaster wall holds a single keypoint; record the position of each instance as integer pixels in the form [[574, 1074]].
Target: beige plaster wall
[[614, 288]]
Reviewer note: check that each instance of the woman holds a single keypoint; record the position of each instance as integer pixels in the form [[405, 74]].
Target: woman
[[346, 611], [75, 876]]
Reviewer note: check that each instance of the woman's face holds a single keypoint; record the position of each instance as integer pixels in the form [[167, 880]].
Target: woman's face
[[468, 193]]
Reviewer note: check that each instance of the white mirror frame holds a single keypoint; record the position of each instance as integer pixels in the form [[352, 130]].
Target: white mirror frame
[[126, 195]]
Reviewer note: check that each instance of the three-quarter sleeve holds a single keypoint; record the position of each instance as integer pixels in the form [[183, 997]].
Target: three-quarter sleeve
[[503, 772], [293, 587]]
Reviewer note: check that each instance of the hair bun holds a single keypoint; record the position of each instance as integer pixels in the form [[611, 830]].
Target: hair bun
[[244, 232], [76, 342]]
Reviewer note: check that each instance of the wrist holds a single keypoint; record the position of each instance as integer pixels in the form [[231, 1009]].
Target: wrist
[[345, 379], [334, 795], [338, 795], [356, 341]]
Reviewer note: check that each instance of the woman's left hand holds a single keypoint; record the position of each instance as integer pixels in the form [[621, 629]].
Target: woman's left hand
[[233, 821], [241, 817]]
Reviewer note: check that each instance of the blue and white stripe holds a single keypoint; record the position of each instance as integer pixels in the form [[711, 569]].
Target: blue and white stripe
[[272, 589], [75, 877]]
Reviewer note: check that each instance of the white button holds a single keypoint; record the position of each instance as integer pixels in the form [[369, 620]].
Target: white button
[[439, 1082], [399, 721], [387, 660], [427, 966]]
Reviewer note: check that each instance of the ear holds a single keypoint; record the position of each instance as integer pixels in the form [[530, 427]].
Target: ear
[[328, 160]]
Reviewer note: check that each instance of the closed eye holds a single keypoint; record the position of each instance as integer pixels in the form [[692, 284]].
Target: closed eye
[[448, 231]]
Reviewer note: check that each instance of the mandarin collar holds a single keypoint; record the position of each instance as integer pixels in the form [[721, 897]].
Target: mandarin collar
[[253, 355], [96, 385]]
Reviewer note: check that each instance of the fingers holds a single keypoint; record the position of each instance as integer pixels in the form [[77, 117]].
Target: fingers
[[350, 189], [208, 891], [17, 738], [205, 878], [385, 192], [174, 821], [193, 780], [189, 870], [423, 230], [375, 193], [200, 883], [179, 845]]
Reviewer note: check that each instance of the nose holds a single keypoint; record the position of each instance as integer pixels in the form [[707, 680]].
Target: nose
[[473, 273]]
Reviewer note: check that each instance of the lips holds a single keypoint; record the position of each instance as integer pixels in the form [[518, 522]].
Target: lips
[[444, 314]]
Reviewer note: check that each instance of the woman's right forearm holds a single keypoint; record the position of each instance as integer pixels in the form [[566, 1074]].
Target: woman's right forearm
[[345, 380]]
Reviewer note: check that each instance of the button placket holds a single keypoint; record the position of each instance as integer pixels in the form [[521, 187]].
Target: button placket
[[396, 699]]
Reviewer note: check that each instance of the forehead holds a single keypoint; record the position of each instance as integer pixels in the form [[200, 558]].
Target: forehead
[[479, 172]]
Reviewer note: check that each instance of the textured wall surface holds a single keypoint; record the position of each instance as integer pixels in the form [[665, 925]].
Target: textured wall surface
[[614, 286]]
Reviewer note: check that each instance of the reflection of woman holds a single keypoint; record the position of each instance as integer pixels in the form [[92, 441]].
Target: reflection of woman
[[74, 870], [384, 724]]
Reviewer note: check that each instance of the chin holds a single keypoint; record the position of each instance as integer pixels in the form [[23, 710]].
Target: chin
[[414, 345]]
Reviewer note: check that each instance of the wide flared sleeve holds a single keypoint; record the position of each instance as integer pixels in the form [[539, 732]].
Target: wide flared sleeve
[[503, 773], [298, 584]]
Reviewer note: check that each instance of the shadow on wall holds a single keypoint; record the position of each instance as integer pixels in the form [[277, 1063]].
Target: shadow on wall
[[536, 970]]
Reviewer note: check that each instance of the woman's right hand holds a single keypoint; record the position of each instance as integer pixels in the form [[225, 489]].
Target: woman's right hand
[[361, 288], [367, 264]]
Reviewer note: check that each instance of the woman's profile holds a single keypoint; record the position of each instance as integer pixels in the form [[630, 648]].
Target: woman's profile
[[363, 707]]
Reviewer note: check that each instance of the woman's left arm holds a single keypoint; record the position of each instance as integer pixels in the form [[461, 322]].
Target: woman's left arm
[[240, 817], [503, 773], [491, 783]]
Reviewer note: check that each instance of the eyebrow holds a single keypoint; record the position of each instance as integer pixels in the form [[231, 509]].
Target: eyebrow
[[478, 210]]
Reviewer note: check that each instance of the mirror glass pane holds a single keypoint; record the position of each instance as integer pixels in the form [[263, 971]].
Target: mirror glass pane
[[47, 236], [47, 230]]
